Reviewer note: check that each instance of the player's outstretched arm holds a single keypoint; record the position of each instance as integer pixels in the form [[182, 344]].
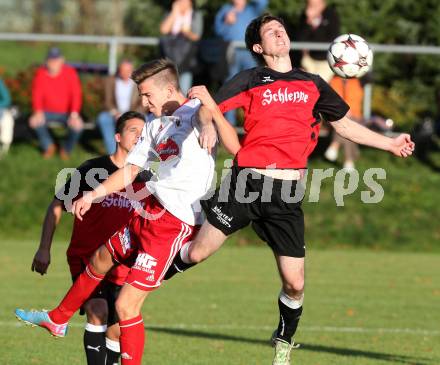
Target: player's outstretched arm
[[209, 111], [116, 181], [41, 260], [401, 146]]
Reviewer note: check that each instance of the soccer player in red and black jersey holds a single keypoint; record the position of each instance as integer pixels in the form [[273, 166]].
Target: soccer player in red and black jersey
[[283, 108], [101, 336]]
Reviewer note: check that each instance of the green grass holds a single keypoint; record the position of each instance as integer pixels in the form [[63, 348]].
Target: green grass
[[361, 307], [18, 56]]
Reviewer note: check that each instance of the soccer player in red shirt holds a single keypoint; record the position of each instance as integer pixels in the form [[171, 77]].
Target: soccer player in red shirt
[[101, 335], [283, 108]]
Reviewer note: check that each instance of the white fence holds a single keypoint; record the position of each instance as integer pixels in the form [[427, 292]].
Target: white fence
[[114, 41]]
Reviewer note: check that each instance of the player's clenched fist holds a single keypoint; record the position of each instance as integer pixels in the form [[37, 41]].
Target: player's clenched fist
[[201, 92], [41, 261]]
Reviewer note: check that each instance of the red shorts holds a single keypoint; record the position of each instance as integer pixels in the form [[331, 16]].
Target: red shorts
[[148, 245], [77, 265]]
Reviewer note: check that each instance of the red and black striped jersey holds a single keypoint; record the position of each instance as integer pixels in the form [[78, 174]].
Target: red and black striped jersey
[[282, 114]]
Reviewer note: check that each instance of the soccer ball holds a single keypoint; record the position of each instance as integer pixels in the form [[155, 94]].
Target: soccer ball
[[350, 56]]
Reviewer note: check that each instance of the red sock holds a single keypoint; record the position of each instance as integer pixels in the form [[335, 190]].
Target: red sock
[[78, 293], [132, 340]]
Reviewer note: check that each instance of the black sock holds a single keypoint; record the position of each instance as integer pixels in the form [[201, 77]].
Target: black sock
[[94, 346], [112, 357], [177, 266], [289, 319], [113, 352]]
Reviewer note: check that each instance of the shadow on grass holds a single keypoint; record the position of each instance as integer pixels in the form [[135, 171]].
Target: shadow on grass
[[395, 359]]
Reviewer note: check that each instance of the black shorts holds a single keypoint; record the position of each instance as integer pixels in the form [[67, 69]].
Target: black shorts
[[245, 196], [109, 292]]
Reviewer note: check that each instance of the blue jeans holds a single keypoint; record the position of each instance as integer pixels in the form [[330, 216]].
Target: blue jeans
[[45, 138], [242, 60], [106, 123], [185, 81]]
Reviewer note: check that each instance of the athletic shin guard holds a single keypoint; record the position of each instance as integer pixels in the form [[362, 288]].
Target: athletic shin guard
[[132, 340], [94, 344], [113, 352], [290, 313]]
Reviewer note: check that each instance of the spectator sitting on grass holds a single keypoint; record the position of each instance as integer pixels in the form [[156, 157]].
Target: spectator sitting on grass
[[56, 96]]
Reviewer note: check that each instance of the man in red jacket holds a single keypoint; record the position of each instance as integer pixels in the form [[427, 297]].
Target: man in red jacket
[[56, 96]]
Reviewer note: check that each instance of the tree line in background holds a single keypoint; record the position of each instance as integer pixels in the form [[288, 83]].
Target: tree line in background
[[404, 85]]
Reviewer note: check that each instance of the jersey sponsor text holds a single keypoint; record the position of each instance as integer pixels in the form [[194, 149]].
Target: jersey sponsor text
[[222, 217], [284, 96], [120, 201], [146, 263]]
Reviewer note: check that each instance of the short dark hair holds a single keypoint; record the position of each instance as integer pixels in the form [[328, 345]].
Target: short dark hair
[[122, 120], [163, 66], [253, 35]]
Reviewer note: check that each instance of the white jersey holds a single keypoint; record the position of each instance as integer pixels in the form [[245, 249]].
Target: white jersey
[[183, 170]]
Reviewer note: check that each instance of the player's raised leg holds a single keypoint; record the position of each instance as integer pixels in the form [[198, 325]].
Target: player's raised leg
[[56, 320], [207, 241], [290, 304]]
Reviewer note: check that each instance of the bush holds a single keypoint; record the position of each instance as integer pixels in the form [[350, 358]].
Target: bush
[[20, 87], [93, 95]]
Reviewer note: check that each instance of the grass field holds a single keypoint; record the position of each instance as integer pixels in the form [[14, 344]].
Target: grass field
[[365, 304], [361, 308]]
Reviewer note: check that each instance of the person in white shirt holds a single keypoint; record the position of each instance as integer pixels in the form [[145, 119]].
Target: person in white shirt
[[180, 153], [120, 96]]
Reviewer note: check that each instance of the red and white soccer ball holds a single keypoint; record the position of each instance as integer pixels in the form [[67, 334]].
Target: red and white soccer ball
[[350, 56]]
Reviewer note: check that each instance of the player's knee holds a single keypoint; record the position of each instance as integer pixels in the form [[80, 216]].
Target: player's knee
[[294, 286], [196, 256], [198, 251], [101, 260], [113, 332], [97, 311], [125, 309]]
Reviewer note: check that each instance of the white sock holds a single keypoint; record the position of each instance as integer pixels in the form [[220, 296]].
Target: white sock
[[184, 255], [94, 328], [112, 345], [291, 302]]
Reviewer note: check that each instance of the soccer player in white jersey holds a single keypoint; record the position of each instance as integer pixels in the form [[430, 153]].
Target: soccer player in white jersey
[[184, 172]]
